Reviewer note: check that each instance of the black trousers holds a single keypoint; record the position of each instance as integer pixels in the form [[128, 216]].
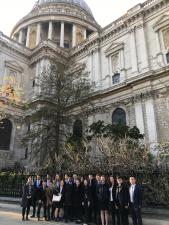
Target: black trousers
[[136, 215], [39, 206], [48, 212], [26, 209], [113, 212], [68, 212], [94, 213], [86, 215], [78, 212], [122, 216]]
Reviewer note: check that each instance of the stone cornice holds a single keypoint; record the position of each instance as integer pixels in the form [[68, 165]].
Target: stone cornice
[[14, 46]]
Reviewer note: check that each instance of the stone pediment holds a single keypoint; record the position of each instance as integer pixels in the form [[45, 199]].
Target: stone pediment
[[162, 22], [113, 48], [13, 65]]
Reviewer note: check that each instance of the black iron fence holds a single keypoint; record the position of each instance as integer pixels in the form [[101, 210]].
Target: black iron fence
[[10, 190]]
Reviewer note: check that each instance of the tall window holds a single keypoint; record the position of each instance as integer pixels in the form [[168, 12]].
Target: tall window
[[119, 117], [78, 129], [5, 134]]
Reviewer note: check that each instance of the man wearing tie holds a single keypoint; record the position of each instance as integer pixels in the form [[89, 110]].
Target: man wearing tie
[[37, 193], [135, 192]]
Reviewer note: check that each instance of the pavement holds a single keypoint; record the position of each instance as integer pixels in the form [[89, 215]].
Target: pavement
[[10, 214]]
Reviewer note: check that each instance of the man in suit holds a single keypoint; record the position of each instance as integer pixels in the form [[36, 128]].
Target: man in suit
[[135, 192], [122, 202], [36, 194]]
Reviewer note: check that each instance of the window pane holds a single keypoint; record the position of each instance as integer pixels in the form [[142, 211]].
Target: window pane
[[119, 117], [78, 129], [5, 134]]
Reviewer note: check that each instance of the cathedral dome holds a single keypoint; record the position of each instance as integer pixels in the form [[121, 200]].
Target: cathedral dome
[[80, 3]]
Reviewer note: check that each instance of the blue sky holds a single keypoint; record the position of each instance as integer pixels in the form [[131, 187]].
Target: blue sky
[[105, 11]]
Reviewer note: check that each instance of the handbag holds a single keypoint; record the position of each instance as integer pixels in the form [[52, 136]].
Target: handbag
[[56, 198]]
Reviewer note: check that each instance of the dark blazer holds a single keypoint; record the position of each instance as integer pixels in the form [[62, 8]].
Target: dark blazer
[[77, 196], [68, 193], [103, 192], [122, 195], [87, 195], [37, 194], [26, 195], [138, 191]]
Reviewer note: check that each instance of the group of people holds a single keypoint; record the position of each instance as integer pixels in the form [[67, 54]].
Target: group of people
[[83, 199]]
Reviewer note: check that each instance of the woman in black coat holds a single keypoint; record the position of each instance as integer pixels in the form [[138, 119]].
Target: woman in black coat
[[86, 201], [103, 198], [27, 198]]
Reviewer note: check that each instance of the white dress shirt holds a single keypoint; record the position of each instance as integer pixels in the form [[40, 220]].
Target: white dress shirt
[[132, 188]]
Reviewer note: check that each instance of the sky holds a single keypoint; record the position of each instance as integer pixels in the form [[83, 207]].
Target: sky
[[104, 11]]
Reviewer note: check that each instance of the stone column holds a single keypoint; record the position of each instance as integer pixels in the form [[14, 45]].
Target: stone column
[[151, 124], [38, 33], [97, 67], [122, 65], [62, 38], [84, 33], [74, 35], [144, 52], [133, 51], [20, 36], [28, 36], [159, 50], [50, 30], [139, 116]]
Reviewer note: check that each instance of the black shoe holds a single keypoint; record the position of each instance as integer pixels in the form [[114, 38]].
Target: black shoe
[[32, 216], [27, 218], [66, 221], [23, 218]]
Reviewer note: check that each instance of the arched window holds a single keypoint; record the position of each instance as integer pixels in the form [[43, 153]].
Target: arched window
[[78, 129], [5, 134], [119, 117]]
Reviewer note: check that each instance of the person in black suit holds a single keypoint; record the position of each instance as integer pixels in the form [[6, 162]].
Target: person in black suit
[[68, 198], [86, 202], [36, 193], [135, 192], [103, 199], [112, 199], [41, 200], [122, 202], [27, 198]]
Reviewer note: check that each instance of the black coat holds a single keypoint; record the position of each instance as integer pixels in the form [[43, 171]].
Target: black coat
[[37, 194], [122, 195], [68, 194], [103, 192], [77, 196], [87, 195], [138, 191], [27, 194]]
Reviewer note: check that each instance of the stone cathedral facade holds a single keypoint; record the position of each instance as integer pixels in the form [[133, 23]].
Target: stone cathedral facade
[[128, 61]]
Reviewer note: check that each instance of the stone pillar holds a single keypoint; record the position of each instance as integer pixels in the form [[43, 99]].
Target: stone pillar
[[133, 51], [50, 30], [144, 52], [62, 38], [20, 36], [84, 33], [74, 35], [160, 58], [97, 68], [139, 117], [122, 65], [38, 33], [151, 124], [28, 36]]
